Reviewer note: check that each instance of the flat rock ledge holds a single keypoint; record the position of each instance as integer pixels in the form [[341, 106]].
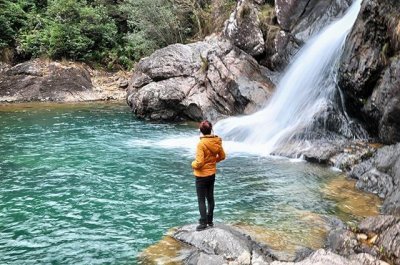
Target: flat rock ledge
[[224, 244]]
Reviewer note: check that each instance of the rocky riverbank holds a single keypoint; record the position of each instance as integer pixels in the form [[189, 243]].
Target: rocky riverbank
[[374, 242], [42, 80]]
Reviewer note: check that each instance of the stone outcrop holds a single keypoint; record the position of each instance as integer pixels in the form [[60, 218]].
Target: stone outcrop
[[321, 257], [243, 28], [221, 245], [376, 236], [45, 81], [305, 18], [224, 244], [274, 33], [208, 79], [4, 67], [299, 20], [384, 234], [40, 80], [370, 69], [381, 175]]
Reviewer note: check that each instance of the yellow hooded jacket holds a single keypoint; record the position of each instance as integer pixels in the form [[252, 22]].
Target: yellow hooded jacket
[[209, 152]]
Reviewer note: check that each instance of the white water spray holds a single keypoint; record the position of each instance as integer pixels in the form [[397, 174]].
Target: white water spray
[[304, 90]]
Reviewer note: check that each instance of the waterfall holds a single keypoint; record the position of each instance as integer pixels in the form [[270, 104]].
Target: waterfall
[[304, 90]]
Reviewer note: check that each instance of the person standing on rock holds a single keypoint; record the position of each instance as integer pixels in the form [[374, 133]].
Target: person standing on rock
[[209, 152]]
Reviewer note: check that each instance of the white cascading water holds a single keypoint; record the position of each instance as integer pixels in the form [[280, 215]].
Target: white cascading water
[[304, 90]]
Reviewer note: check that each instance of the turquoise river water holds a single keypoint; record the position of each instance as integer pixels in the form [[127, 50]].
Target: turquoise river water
[[91, 184]]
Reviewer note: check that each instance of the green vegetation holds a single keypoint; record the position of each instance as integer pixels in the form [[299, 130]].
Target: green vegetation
[[111, 33]]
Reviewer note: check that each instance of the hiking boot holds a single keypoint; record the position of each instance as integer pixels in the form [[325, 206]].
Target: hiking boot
[[210, 220], [201, 227]]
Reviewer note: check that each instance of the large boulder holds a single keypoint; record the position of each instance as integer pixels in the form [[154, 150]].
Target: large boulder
[[220, 245], [39, 80], [370, 69], [208, 79], [381, 175]]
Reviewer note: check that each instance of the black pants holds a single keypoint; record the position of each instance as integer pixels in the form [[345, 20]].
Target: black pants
[[205, 190]]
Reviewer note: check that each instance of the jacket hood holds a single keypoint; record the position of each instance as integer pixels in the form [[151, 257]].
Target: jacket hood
[[212, 142]]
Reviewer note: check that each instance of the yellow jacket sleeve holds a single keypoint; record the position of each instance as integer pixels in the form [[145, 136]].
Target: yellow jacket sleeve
[[199, 162], [221, 155]]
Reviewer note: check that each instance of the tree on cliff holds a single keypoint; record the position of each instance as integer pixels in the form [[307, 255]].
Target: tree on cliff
[[114, 33]]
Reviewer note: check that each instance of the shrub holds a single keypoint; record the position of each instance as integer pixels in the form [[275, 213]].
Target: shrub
[[70, 29]]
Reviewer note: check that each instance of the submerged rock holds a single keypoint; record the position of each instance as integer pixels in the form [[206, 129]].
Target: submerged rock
[[204, 80]]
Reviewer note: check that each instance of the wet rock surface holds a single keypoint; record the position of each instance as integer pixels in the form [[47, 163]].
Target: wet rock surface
[[204, 80], [274, 33], [370, 67], [340, 153], [376, 237], [299, 21], [381, 175]]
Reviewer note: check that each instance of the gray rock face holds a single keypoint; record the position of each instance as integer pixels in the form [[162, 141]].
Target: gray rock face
[[209, 79], [387, 229], [384, 104], [299, 20], [381, 175], [38, 81], [274, 37], [4, 67], [323, 257], [342, 241], [243, 28], [308, 17], [221, 245], [370, 67]]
